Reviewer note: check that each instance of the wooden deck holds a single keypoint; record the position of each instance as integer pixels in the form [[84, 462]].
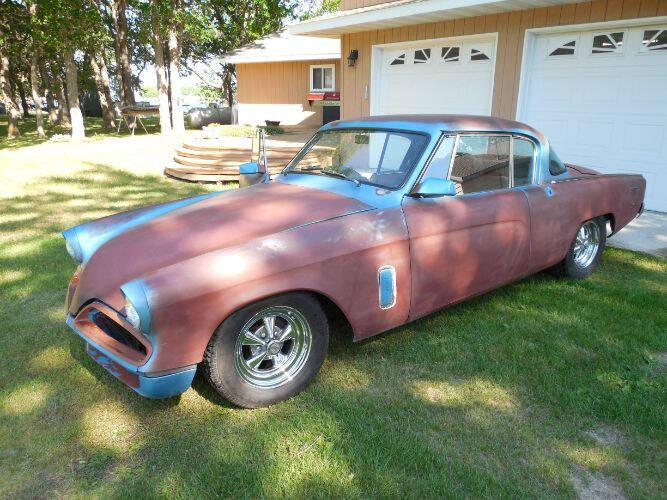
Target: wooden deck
[[218, 160]]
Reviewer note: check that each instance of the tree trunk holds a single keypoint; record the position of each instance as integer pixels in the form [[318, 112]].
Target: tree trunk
[[175, 82], [122, 51], [78, 130], [63, 109], [34, 65], [228, 84], [48, 93], [7, 98], [106, 86], [107, 115], [18, 85], [161, 75], [36, 98]]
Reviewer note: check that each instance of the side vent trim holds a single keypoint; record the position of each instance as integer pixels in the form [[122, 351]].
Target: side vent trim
[[387, 286]]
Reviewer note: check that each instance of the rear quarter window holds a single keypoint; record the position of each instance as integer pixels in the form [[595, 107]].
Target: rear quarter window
[[556, 167]]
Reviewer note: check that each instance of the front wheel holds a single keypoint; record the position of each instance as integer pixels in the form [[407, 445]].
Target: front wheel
[[268, 351], [585, 253]]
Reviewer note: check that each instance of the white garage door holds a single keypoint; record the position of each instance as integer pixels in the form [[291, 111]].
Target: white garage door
[[601, 98], [447, 76]]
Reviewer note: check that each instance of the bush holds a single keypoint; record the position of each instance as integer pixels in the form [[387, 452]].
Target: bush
[[219, 130]]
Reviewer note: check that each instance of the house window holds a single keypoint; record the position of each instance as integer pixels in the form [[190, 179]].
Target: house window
[[607, 43], [564, 49], [654, 40], [450, 54], [398, 60], [422, 56], [323, 78]]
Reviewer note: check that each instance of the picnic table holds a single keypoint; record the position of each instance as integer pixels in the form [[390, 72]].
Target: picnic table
[[132, 114]]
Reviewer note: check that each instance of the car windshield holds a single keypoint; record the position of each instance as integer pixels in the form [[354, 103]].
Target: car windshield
[[378, 157]]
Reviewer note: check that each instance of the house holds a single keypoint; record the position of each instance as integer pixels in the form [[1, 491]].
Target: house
[[291, 79], [591, 75]]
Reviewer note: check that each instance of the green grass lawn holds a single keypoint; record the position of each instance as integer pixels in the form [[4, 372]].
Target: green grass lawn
[[523, 392], [93, 125]]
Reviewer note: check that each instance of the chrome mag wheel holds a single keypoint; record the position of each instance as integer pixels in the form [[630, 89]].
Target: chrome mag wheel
[[273, 346], [586, 244]]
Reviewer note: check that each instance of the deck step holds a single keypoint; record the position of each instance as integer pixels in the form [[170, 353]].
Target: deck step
[[206, 174], [223, 153], [240, 155], [192, 146], [222, 163]]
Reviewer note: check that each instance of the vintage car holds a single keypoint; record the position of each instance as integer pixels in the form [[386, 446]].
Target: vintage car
[[381, 220]]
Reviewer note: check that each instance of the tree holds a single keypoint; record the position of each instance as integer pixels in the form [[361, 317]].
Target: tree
[[63, 106], [316, 9], [103, 90], [177, 120], [48, 92], [124, 68], [8, 98], [157, 28], [214, 27], [34, 64], [76, 117], [36, 98]]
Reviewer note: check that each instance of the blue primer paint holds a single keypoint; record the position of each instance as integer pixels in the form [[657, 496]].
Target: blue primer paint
[[161, 386], [140, 295], [89, 243], [387, 284], [166, 386], [435, 125], [116, 359], [549, 191]]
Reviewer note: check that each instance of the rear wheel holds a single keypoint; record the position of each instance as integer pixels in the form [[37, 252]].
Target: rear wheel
[[585, 253], [268, 351]]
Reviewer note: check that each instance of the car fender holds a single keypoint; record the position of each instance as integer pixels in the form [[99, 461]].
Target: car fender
[[339, 259]]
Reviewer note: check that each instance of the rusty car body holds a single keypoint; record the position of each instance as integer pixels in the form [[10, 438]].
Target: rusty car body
[[383, 247]]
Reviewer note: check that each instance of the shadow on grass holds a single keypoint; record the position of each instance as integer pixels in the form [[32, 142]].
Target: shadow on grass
[[94, 129], [492, 397]]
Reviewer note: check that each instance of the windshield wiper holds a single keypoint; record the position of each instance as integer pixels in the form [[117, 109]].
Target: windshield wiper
[[340, 175], [329, 172]]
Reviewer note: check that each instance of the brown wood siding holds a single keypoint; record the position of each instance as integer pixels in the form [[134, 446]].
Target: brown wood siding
[[510, 28], [355, 4], [280, 83]]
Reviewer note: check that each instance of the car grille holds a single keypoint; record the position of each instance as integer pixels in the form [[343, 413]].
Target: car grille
[[116, 331]]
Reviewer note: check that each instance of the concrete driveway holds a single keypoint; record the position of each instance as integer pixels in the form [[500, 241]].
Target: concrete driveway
[[647, 233]]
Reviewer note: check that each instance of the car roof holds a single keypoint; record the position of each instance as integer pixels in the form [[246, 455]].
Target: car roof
[[437, 123]]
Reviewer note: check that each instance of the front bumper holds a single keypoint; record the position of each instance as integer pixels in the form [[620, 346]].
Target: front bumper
[[151, 385]]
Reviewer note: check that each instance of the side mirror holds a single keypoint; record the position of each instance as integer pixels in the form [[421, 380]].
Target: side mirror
[[251, 173], [432, 187], [249, 168]]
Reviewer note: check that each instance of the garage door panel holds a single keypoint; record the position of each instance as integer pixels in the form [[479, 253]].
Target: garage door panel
[[607, 111], [551, 93], [457, 85], [595, 134], [649, 89], [645, 141]]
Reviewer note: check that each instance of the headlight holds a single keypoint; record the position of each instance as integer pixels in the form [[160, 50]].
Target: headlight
[[136, 310], [72, 245], [132, 315]]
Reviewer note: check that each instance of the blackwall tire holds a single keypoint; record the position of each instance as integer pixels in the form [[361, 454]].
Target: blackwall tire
[[585, 253], [268, 351]]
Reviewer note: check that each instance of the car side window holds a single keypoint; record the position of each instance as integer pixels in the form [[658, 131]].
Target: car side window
[[481, 163], [556, 167], [439, 165], [523, 157]]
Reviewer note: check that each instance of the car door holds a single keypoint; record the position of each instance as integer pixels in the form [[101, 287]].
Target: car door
[[475, 241]]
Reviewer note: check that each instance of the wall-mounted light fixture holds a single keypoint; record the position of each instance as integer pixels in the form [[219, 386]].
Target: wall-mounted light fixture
[[352, 58]]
